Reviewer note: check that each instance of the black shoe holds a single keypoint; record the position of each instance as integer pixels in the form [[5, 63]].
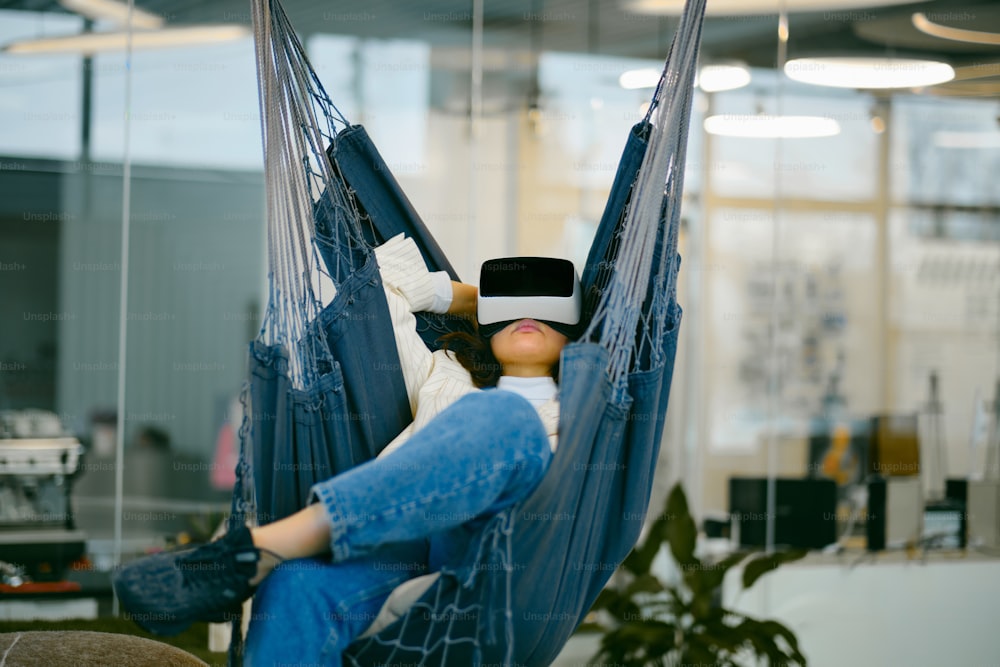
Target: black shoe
[[165, 593]]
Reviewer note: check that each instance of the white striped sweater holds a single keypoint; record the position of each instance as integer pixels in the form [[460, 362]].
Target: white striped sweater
[[433, 380]]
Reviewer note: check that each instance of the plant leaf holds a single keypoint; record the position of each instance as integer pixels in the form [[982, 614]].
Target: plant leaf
[[606, 598], [700, 650], [725, 636], [645, 583], [645, 640], [640, 559], [761, 565], [682, 533], [713, 574], [701, 605], [617, 604], [762, 640], [781, 630]]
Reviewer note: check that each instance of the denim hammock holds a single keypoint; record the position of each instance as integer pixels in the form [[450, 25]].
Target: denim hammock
[[325, 392]]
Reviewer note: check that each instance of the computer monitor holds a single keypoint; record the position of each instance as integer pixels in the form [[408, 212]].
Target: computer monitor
[[805, 511]]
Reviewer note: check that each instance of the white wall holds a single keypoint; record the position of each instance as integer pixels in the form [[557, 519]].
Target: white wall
[[195, 267]]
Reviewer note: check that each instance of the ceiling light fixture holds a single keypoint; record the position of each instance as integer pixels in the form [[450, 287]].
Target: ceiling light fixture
[[101, 42], [744, 7], [764, 126], [928, 27], [711, 78], [117, 12], [722, 76], [869, 73], [635, 79]]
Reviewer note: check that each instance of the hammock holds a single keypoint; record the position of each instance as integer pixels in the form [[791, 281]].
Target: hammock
[[325, 391]]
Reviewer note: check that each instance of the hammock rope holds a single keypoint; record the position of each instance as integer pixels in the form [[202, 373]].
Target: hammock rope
[[298, 122], [654, 207]]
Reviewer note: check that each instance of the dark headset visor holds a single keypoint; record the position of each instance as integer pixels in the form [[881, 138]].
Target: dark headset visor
[[527, 276]]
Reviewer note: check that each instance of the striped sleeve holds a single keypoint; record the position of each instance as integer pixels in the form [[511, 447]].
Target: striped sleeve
[[408, 289], [402, 268]]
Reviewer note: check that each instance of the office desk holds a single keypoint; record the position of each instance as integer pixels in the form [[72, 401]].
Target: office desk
[[865, 611]]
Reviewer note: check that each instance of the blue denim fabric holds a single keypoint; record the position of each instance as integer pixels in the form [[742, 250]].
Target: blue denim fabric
[[377, 192], [396, 517], [308, 610], [574, 530], [603, 249]]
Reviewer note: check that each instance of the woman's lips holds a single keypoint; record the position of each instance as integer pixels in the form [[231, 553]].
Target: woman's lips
[[527, 325]]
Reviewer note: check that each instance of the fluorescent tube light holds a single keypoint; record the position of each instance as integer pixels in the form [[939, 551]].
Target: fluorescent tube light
[[101, 42], [117, 12], [711, 78], [868, 73], [635, 79], [719, 77], [744, 7]]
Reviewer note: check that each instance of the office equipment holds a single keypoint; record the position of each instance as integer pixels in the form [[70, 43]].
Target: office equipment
[[957, 491], [805, 514], [37, 463], [935, 467], [895, 512], [984, 513], [894, 449]]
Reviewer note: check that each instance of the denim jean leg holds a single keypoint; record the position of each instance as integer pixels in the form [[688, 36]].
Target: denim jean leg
[[309, 610], [479, 456]]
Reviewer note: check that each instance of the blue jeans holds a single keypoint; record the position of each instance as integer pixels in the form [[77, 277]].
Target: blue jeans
[[397, 517]]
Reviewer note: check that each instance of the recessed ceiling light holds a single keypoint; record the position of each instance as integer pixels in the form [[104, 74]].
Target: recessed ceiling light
[[100, 42], [741, 7], [763, 126], [634, 79], [711, 78], [719, 77], [112, 10], [869, 73]]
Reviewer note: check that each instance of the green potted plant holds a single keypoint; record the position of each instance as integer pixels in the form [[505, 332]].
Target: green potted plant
[[650, 622]]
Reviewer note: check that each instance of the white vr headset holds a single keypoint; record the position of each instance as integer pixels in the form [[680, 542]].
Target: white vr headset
[[540, 288]]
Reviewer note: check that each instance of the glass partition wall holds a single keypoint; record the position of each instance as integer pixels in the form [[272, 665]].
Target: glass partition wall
[[840, 272]]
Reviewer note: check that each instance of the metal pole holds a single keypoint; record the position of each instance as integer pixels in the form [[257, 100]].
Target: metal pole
[[475, 119], [123, 301]]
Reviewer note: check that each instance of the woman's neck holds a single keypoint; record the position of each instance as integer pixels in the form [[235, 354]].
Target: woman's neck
[[526, 370]]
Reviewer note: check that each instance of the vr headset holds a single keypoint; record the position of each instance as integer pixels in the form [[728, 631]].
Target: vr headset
[[541, 288]]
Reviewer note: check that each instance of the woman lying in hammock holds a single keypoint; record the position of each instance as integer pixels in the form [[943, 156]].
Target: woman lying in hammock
[[320, 576]]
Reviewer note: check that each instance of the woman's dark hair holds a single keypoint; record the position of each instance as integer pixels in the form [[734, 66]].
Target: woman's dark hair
[[475, 355]]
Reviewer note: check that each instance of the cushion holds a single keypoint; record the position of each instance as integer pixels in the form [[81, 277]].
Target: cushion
[[89, 649]]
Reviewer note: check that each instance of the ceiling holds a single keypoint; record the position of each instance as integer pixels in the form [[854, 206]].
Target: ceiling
[[607, 27]]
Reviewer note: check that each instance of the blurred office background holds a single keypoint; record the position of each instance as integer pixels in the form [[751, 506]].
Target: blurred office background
[[826, 279]]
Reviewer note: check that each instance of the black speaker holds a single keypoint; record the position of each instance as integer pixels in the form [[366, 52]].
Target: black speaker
[[957, 491], [805, 511], [875, 526]]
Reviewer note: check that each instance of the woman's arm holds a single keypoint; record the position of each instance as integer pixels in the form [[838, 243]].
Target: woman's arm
[[464, 298]]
